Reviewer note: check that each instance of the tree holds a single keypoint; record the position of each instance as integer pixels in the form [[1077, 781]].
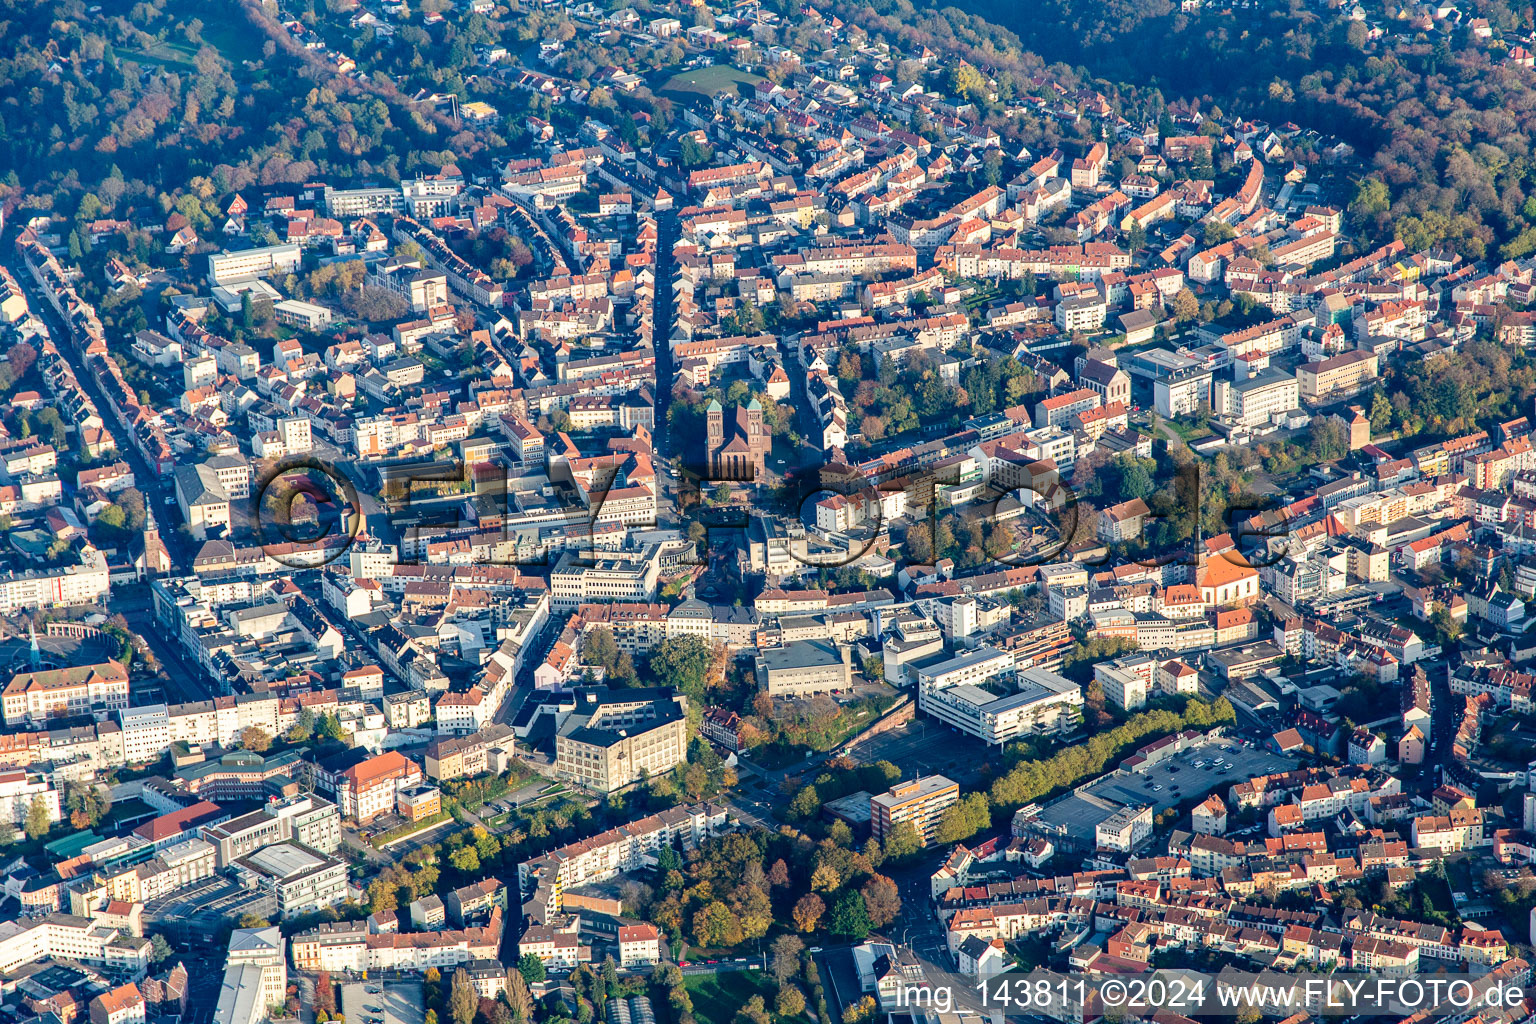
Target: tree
[[882, 899], [160, 948], [790, 1002], [1217, 231], [330, 727], [717, 926], [303, 726], [862, 1012], [1185, 307], [531, 968], [693, 153], [462, 1000], [466, 859], [382, 895], [784, 957], [1447, 629], [600, 648], [255, 739], [519, 999], [1327, 438], [38, 821], [966, 82], [850, 918], [902, 842], [754, 1012], [87, 803], [963, 819], [807, 912], [683, 662], [325, 992]]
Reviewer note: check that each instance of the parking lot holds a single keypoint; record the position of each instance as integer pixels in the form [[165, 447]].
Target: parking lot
[[383, 1002], [927, 747], [1191, 774], [1185, 777]]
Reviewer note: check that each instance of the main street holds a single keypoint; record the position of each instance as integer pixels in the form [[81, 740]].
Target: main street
[[151, 485]]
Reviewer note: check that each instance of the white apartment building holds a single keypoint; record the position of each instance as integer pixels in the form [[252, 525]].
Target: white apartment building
[[64, 936], [982, 694], [17, 792], [248, 264], [369, 789], [625, 848], [348, 946], [255, 976], [86, 583], [574, 581], [146, 733], [303, 880], [422, 288], [1122, 687], [1081, 313], [1257, 400], [174, 867], [1124, 830], [1181, 393], [459, 714], [199, 371], [296, 433], [562, 949], [974, 668], [348, 203], [639, 944]]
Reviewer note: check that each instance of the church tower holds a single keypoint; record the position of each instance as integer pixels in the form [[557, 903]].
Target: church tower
[[715, 435], [754, 420], [153, 558]]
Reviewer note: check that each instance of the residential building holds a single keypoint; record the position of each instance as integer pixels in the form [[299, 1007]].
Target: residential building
[[920, 802]]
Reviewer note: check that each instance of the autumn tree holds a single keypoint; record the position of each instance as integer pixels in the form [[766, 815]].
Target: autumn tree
[[255, 739], [715, 926], [519, 999], [882, 900], [807, 912], [87, 803], [462, 1000], [790, 1002], [325, 993], [862, 1012], [1185, 306]]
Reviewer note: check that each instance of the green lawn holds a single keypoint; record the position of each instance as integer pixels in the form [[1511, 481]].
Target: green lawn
[[171, 54], [706, 82], [1189, 430], [717, 997]]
